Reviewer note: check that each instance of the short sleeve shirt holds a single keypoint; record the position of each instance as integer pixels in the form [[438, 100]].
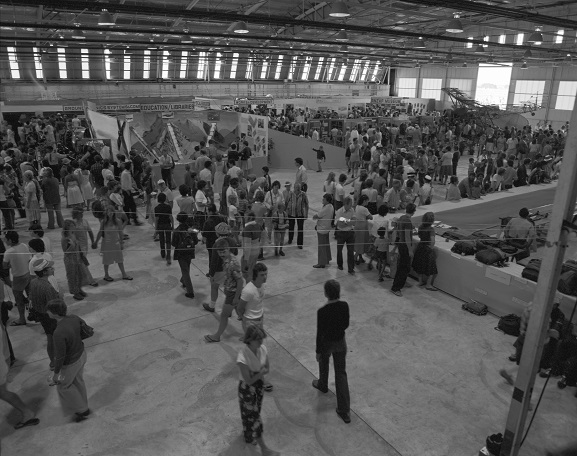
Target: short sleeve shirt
[[253, 362], [232, 273], [18, 257], [253, 296], [403, 224]]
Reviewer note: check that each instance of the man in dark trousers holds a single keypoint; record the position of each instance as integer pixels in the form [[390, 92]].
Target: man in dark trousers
[[332, 321], [321, 157], [404, 244]]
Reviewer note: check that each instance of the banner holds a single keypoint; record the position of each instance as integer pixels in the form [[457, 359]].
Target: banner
[[253, 101], [195, 105]]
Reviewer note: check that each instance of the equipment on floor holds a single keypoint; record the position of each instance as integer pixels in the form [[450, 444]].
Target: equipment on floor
[[475, 307], [493, 444], [509, 324]]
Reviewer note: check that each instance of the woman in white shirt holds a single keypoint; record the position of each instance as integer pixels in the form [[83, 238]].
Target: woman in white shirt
[[252, 362]]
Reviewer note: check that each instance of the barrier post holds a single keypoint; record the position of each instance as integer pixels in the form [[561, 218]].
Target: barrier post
[[562, 214]]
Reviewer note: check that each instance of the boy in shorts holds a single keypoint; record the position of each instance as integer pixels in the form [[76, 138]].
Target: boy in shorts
[[233, 284]]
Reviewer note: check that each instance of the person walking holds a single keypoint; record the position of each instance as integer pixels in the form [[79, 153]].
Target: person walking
[[69, 360], [301, 175], [112, 243], [324, 220], [164, 223], [332, 322], [232, 287], [166, 166], [253, 364], [404, 245], [251, 307], [51, 194], [28, 417], [74, 265], [32, 197], [345, 234], [16, 258], [184, 240]]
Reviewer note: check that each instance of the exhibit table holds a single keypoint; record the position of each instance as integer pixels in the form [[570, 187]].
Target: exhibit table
[[503, 290]]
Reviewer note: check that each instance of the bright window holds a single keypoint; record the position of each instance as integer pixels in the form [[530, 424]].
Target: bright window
[[486, 40], [519, 39], [38, 63], [319, 67], [278, 67], [107, 63], [201, 65], [341, 76], [165, 64], [355, 70], [264, 69], [365, 72], [14, 67], [431, 88], [566, 95], [249, 68], [559, 36], [85, 64], [502, 39], [376, 71], [407, 87], [528, 92], [126, 65], [493, 83], [306, 69], [331, 68], [217, 65], [465, 85], [183, 64], [292, 66], [146, 64], [469, 45], [233, 65], [63, 73]]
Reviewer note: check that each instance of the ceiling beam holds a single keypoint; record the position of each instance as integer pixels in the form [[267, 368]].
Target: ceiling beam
[[254, 8], [188, 7]]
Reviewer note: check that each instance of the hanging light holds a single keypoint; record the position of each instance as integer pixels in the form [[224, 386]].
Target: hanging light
[[342, 35], [479, 49], [528, 54], [524, 66], [490, 59], [536, 37], [239, 27], [455, 25], [105, 18], [568, 58], [78, 34], [464, 64], [420, 44], [186, 39], [344, 48], [339, 9]]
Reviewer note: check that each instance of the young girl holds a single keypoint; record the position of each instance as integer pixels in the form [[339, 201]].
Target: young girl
[[280, 225], [381, 249]]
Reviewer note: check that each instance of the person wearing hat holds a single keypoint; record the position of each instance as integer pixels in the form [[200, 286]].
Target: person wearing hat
[[426, 191]]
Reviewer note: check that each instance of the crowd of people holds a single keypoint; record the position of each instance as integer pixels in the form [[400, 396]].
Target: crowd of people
[[239, 217]]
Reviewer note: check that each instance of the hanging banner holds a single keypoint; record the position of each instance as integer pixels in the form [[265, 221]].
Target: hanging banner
[[253, 101]]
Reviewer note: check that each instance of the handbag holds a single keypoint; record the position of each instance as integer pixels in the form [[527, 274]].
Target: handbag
[[491, 256], [510, 324], [86, 331]]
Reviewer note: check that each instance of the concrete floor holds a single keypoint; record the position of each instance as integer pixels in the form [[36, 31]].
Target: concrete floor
[[423, 373]]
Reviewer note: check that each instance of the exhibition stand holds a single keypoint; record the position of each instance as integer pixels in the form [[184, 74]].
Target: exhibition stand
[[502, 290]]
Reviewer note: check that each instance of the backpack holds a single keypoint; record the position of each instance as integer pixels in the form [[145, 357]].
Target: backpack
[[510, 324], [367, 154], [464, 247], [188, 242], [568, 283], [494, 443], [475, 307], [491, 256]]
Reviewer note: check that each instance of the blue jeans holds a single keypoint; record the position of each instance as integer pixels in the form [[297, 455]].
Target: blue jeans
[[338, 350]]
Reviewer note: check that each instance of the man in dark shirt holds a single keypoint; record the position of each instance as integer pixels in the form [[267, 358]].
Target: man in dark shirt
[[51, 194], [332, 321], [96, 175], [164, 226], [404, 245]]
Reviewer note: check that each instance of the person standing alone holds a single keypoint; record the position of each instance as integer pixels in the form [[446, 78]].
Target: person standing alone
[[404, 244], [332, 322]]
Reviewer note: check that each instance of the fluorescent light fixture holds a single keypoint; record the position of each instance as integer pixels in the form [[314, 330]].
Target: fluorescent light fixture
[[342, 36], [536, 37], [105, 18], [78, 34], [239, 27], [455, 25], [339, 9], [524, 66], [479, 49], [528, 54], [344, 48], [420, 44]]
